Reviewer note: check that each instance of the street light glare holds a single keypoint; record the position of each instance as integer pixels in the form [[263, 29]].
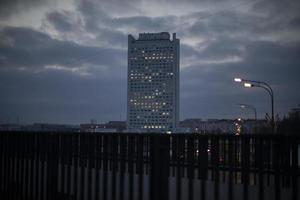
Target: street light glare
[[237, 79], [267, 87], [247, 85]]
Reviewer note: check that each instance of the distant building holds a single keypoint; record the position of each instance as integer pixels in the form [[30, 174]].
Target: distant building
[[209, 126], [193, 125], [119, 126], [40, 127], [10, 127], [89, 127], [105, 130], [109, 127], [153, 83], [222, 125]]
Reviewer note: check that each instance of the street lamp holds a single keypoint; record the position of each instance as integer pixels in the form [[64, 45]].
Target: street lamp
[[237, 79], [253, 109], [249, 107], [265, 86], [248, 85]]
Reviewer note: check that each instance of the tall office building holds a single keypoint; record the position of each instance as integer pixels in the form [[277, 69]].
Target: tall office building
[[153, 83]]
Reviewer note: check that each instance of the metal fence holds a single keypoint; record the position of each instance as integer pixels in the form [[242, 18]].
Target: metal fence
[[79, 166]]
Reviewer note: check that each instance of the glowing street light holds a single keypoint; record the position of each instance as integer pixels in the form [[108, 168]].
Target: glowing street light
[[248, 85], [237, 79]]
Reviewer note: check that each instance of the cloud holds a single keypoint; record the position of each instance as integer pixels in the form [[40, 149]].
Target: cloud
[[277, 8], [97, 17], [72, 65], [63, 21], [10, 7], [27, 48], [211, 89]]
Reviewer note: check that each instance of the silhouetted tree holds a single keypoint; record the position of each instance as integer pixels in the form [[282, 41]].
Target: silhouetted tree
[[290, 124]]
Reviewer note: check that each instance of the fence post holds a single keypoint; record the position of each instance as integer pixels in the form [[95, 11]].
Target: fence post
[[159, 164], [123, 149], [113, 160], [294, 142], [180, 156], [190, 167], [277, 150], [230, 168], [215, 156], [245, 166], [130, 165], [52, 166], [260, 155], [140, 165]]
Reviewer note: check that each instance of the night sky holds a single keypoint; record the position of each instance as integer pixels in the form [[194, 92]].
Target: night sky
[[65, 61]]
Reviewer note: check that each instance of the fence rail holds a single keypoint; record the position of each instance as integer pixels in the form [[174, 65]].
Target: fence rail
[[79, 166]]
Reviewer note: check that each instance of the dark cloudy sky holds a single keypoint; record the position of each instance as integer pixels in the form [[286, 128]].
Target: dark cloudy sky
[[65, 61]]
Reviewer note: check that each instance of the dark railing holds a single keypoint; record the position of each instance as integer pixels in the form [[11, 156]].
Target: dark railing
[[92, 166]]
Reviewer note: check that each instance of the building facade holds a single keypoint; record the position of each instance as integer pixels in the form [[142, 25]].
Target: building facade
[[153, 83]]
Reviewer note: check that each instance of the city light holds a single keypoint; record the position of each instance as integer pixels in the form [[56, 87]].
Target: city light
[[237, 79], [248, 85]]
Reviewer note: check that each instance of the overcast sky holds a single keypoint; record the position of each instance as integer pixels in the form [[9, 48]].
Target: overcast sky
[[65, 61]]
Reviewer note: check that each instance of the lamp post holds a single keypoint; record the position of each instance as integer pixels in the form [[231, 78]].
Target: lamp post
[[265, 86], [253, 109]]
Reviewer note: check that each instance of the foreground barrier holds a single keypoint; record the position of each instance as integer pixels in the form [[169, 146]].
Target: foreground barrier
[[79, 166]]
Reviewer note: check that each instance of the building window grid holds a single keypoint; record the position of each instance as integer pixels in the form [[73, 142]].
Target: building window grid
[[159, 63]]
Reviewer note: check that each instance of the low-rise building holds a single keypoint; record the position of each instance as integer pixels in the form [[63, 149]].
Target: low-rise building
[[222, 126]]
